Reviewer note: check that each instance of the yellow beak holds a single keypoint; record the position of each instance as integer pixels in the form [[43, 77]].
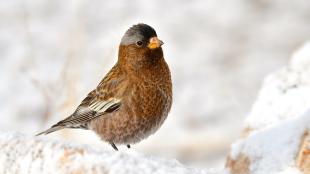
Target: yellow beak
[[154, 43]]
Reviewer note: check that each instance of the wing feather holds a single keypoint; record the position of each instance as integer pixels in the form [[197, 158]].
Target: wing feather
[[84, 114], [106, 98]]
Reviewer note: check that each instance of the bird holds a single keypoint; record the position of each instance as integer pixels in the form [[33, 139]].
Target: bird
[[133, 99]]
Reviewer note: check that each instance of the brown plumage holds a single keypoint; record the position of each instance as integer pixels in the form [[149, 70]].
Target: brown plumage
[[133, 99]]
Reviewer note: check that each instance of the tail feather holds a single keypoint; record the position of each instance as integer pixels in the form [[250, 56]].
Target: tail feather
[[50, 130]]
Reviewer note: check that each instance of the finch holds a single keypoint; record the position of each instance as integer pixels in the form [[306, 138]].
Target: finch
[[133, 99]]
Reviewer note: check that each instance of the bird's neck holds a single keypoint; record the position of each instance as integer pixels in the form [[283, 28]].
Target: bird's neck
[[133, 59]]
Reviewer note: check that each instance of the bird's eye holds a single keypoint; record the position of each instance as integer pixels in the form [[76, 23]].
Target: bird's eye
[[139, 43]]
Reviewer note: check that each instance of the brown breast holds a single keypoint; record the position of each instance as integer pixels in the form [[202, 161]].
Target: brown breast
[[145, 105]]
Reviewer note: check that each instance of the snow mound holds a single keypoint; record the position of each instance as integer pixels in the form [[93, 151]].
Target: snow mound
[[25, 154], [276, 133]]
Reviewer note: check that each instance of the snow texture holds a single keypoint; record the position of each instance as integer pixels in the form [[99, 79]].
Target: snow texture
[[285, 93], [279, 119], [22, 154]]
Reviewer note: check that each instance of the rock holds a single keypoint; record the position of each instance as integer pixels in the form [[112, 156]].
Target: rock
[[276, 132], [22, 154]]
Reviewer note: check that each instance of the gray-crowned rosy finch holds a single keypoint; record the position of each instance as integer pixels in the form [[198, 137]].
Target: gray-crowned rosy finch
[[133, 99]]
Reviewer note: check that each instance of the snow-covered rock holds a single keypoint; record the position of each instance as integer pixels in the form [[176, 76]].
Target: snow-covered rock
[[276, 132], [22, 154]]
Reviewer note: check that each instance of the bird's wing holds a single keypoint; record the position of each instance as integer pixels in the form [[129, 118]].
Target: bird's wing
[[106, 98], [84, 114]]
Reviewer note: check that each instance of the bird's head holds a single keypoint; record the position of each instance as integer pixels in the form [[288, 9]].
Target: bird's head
[[140, 43]]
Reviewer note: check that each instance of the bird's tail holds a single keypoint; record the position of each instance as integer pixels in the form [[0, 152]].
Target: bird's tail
[[50, 130]]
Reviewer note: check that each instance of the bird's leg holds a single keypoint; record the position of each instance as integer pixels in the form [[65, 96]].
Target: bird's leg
[[128, 146], [114, 147]]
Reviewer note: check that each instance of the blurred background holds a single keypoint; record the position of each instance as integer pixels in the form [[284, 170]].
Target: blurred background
[[52, 53]]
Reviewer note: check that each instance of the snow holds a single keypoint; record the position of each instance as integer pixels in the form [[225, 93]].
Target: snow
[[26, 154], [285, 93], [279, 119], [274, 148]]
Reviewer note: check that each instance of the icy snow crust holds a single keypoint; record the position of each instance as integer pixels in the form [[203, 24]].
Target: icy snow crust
[[279, 119], [26, 154]]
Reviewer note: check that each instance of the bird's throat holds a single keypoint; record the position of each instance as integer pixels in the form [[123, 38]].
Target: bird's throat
[[133, 58]]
